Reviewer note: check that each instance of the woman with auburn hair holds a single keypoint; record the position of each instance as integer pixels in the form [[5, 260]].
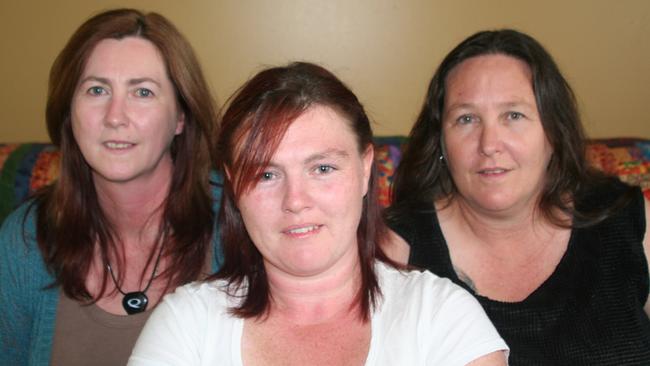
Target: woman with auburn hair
[[303, 280], [494, 192], [132, 214]]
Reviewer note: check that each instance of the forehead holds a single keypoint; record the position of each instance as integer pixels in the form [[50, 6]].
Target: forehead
[[129, 55], [318, 128], [488, 72]]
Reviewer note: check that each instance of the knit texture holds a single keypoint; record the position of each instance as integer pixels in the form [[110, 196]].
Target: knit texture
[[27, 303], [588, 312]]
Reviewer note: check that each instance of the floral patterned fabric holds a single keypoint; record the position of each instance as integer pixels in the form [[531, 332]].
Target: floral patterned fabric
[[24, 168]]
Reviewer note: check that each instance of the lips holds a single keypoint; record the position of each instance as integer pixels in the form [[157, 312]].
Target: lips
[[302, 230], [493, 171], [118, 145]]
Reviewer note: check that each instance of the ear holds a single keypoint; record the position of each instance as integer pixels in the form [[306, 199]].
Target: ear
[[180, 123], [367, 160]]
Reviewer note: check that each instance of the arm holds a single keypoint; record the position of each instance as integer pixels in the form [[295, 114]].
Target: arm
[[646, 247], [19, 289], [497, 358]]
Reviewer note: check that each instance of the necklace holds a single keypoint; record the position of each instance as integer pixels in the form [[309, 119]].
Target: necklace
[[135, 302]]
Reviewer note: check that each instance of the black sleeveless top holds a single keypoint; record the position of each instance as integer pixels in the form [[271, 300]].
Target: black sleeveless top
[[588, 312]]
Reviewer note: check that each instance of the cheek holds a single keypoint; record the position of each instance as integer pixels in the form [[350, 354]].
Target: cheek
[[257, 210]]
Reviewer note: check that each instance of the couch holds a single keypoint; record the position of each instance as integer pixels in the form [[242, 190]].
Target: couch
[[26, 167]]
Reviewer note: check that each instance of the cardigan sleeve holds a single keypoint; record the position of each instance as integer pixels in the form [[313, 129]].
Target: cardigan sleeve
[[23, 287]]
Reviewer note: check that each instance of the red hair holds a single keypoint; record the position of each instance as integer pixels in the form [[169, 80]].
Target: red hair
[[257, 118], [70, 219]]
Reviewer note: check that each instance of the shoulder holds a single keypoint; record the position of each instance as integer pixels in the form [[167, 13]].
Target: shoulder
[[22, 218], [407, 221], [18, 233], [447, 324], [198, 297], [605, 192], [418, 287], [190, 326]]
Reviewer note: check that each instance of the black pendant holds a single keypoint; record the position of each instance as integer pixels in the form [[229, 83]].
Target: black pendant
[[135, 302]]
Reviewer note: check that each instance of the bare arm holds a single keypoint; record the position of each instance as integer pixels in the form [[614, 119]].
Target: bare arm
[[646, 247], [397, 249], [497, 358]]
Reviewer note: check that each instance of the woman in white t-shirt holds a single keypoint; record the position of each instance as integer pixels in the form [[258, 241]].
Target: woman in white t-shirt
[[304, 281]]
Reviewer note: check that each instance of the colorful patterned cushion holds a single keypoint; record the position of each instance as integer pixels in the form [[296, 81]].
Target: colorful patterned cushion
[[628, 158], [24, 168]]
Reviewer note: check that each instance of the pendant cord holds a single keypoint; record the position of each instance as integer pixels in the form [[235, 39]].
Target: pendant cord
[[153, 274]]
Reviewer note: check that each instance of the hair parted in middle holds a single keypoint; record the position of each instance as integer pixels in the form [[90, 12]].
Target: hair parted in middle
[[252, 127], [70, 218], [422, 177]]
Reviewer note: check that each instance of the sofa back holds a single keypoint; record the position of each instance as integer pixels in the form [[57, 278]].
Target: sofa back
[[24, 168]]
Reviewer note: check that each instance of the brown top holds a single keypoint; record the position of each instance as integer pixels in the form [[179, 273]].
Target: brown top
[[86, 334]]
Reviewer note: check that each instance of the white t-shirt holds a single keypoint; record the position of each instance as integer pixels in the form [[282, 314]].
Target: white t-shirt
[[421, 320]]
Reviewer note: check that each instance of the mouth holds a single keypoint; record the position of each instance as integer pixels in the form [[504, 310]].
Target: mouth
[[302, 230], [116, 145], [493, 171]]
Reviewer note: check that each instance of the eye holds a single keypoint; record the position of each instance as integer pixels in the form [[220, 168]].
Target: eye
[[324, 169], [515, 115], [266, 176], [96, 90], [144, 92], [465, 119]]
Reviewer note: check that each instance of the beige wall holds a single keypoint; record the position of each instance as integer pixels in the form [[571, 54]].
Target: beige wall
[[385, 50]]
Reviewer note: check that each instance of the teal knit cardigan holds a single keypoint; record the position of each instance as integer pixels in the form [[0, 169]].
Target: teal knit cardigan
[[27, 306]]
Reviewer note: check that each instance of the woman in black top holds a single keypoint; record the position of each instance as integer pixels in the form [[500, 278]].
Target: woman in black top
[[494, 192]]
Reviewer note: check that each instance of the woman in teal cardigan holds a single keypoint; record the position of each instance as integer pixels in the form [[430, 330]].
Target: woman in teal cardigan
[[132, 214]]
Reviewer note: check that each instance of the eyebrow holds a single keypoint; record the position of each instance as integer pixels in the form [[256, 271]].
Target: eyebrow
[[135, 81], [517, 103], [336, 153]]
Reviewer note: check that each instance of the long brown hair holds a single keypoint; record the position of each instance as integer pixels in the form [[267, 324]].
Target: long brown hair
[[70, 220], [257, 118], [422, 178]]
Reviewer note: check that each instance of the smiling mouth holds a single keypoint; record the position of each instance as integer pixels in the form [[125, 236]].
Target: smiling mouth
[[303, 230], [493, 171], [118, 145]]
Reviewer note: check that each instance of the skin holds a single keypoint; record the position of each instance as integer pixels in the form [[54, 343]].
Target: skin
[[302, 216], [497, 151], [303, 213], [124, 117], [497, 154], [124, 113]]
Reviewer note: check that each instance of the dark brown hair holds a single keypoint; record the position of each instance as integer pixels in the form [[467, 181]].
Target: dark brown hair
[[252, 127], [422, 178], [70, 219]]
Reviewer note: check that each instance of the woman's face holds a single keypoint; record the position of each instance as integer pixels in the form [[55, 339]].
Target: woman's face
[[303, 213], [496, 148], [124, 112]]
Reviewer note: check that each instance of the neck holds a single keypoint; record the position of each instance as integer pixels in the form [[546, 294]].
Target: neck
[[524, 227], [134, 208], [319, 299]]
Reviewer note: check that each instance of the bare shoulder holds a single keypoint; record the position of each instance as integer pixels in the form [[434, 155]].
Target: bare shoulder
[[396, 248], [497, 358]]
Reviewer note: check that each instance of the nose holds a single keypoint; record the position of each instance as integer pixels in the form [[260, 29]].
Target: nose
[[490, 139], [116, 112], [296, 196]]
